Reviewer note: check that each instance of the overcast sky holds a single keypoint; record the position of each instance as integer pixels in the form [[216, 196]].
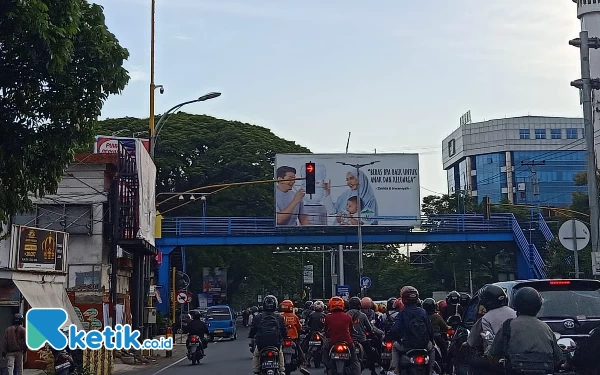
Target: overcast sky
[[398, 74]]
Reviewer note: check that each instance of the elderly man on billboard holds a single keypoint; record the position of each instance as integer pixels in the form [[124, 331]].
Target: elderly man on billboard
[[288, 201]]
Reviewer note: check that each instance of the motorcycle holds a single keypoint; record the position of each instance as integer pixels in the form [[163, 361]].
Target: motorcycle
[[458, 356], [195, 349], [386, 354], [269, 361], [315, 346], [339, 355], [415, 362], [290, 356]]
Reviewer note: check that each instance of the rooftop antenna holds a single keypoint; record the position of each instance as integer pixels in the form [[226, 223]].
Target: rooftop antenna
[[348, 142]]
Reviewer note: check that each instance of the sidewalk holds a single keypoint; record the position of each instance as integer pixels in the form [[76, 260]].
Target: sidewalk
[[142, 363]]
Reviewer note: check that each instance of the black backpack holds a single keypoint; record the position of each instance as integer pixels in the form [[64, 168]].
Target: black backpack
[[268, 331], [417, 335], [389, 321]]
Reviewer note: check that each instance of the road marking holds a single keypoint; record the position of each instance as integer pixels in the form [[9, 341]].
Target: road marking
[[169, 366]]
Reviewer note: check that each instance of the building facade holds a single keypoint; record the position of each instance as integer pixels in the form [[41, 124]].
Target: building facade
[[525, 160]]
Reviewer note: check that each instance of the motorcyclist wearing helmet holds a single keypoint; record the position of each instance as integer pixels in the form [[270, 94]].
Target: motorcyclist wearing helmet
[[405, 335], [269, 329], [314, 323], [495, 301], [453, 306], [197, 328], [362, 325], [338, 327], [294, 328], [307, 310], [438, 324], [465, 299], [526, 337], [14, 345], [389, 317]]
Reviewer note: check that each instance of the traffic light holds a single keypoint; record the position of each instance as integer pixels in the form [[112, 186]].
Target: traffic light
[[310, 178]]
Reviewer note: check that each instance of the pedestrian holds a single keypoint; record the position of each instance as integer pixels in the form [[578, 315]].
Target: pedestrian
[[14, 346]]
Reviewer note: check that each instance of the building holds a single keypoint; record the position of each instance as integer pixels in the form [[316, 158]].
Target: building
[[525, 160]]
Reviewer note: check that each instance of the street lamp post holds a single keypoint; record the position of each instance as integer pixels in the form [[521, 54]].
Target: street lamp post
[[161, 122], [359, 210]]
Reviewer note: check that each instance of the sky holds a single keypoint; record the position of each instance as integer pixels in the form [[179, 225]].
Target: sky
[[396, 74]]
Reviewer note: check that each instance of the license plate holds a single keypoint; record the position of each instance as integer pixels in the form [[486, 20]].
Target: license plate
[[289, 350], [62, 366], [194, 344], [344, 356], [270, 365], [219, 331], [315, 343], [193, 349], [287, 358], [386, 355]]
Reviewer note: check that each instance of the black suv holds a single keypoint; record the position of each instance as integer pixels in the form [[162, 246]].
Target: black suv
[[571, 306]]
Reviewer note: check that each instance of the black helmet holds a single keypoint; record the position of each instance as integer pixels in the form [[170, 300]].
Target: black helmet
[[18, 319], [453, 298], [391, 304], [270, 303], [354, 303], [195, 314], [528, 301], [465, 299], [492, 297], [429, 305], [308, 305]]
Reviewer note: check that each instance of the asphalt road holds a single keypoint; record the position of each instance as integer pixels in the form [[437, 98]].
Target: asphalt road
[[222, 357]]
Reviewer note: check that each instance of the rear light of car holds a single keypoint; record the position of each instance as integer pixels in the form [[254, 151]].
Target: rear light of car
[[560, 282]]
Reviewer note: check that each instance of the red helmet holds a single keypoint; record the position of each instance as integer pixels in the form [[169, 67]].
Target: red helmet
[[398, 305], [409, 295], [441, 305]]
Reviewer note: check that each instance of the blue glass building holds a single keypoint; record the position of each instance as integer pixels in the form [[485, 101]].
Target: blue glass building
[[525, 160]]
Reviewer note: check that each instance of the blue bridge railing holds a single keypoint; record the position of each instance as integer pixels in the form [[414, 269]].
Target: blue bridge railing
[[544, 228], [260, 226]]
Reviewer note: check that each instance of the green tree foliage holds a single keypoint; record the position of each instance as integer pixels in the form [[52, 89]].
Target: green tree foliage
[[198, 151], [58, 63]]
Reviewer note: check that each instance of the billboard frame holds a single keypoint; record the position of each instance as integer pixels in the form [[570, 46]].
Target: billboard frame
[[60, 249]]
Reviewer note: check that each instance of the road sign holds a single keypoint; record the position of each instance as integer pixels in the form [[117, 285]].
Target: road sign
[[574, 235], [308, 274], [365, 282], [182, 298], [343, 290]]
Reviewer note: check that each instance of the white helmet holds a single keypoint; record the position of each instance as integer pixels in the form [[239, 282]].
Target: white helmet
[[319, 306]]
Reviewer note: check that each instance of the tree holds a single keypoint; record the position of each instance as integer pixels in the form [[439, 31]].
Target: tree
[[58, 64], [198, 151]]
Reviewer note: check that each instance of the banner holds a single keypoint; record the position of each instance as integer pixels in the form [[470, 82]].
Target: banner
[[215, 284], [39, 249], [380, 189], [147, 192], [110, 145]]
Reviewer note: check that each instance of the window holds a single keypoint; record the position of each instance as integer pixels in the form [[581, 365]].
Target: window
[[572, 133], [556, 133], [524, 134], [451, 147], [540, 133]]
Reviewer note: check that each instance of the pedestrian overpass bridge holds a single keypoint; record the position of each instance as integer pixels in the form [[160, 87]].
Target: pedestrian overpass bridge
[[179, 232]]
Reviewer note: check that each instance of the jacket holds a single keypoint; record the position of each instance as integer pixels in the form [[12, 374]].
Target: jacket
[[491, 322], [437, 323], [14, 339], [267, 341], [362, 325], [315, 322], [400, 328], [528, 335], [292, 324], [197, 327], [338, 326]]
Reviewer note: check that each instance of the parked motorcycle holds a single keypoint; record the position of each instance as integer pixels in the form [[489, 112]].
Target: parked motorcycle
[[269, 361], [315, 347], [195, 349]]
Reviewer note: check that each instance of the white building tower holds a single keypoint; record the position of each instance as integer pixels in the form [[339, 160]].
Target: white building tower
[[588, 11]]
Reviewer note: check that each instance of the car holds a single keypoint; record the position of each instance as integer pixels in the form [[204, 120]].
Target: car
[[221, 322], [571, 306]]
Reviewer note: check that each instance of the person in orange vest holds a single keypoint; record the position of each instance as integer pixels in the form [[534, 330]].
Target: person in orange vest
[[294, 327]]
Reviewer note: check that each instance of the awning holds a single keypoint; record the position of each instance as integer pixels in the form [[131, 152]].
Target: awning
[[48, 295]]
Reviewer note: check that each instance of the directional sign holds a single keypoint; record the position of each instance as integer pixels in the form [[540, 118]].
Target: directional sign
[[343, 290], [365, 282], [182, 298]]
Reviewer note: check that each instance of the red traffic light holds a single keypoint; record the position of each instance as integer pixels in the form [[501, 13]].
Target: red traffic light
[[310, 168]]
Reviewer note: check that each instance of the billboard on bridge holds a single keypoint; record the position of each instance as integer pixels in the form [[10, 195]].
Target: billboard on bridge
[[387, 184]]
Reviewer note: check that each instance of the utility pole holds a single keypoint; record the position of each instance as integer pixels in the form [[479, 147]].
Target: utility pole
[[586, 84], [535, 182]]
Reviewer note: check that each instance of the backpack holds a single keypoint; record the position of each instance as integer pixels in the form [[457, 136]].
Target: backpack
[[268, 331], [389, 321], [525, 363], [417, 336]]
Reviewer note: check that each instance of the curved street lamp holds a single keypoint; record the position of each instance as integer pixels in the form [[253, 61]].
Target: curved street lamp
[[167, 115]]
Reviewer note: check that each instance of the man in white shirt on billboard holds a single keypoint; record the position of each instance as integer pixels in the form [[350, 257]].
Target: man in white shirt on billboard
[[288, 203]]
